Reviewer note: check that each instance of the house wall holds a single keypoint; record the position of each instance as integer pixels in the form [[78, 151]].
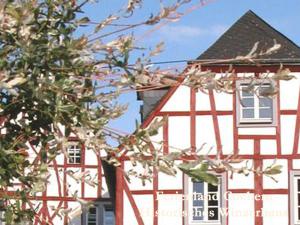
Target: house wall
[[61, 189], [197, 118]]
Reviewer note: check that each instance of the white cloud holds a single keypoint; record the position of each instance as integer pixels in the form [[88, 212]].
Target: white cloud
[[183, 32]]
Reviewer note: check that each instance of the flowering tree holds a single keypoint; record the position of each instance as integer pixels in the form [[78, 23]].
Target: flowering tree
[[50, 78]]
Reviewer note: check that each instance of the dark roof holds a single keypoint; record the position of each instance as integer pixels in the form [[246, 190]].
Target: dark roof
[[240, 38]]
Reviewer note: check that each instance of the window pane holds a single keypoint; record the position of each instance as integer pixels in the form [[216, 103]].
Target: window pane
[[248, 113], [212, 200], [198, 204], [265, 102], [78, 160], [298, 184], [298, 213], [265, 113], [213, 213], [263, 90], [247, 102], [298, 199], [246, 93], [212, 188], [109, 217]]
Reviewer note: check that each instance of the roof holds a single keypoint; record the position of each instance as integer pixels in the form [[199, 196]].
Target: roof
[[240, 38]]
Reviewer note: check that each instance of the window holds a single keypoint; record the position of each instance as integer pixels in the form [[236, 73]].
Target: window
[[101, 213], [74, 154], [109, 216], [205, 202], [295, 197], [255, 107], [92, 216]]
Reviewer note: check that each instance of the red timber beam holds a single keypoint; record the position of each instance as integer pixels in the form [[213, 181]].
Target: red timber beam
[[218, 112], [193, 119], [155, 201], [119, 194], [65, 190], [278, 127], [249, 68], [166, 136], [258, 184], [235, 129], [215, 121], [297, 128]]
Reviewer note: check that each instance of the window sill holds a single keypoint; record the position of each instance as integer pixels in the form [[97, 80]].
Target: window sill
[[256, 123]]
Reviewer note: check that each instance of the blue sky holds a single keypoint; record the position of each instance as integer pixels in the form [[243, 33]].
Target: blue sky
[[195, 32]]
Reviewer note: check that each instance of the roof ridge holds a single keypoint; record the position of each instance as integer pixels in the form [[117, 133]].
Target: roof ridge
[[241, 35]]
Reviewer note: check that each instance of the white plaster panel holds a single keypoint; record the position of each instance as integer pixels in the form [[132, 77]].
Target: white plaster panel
[[282, 178], [246, 147], [170, 209], [226, 133], [205, 134], [104, 193], [170, 182], [241, 181], [202, 101], [268, 147], [73, 185], [257, 130], [90, 157], [128, 215], [145, 205], [60, 159], [179, 101], [157, 140], [287, 133], [61, 128], [296, 164], [136, 183], [275, 208], [52, 189], [89, 190], [179, 133], [289, 92], [241, 209], [223, 101]]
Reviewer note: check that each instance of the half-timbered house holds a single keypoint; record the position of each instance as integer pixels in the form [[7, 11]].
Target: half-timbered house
[[258, 129]]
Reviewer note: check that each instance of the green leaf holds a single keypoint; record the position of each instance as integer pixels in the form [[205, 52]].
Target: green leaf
[[83, 21], [274, 170]]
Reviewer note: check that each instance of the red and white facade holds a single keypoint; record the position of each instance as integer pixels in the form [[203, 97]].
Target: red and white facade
[[194, 118], [65, 199], [261, 131]]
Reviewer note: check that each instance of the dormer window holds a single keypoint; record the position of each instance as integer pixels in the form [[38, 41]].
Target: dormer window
[[254, 107], [74, 154]]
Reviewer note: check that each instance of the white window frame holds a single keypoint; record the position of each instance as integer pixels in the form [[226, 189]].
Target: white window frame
[[256, 121], [72, 150], [294, 177], [97, 215], [188, 204]]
